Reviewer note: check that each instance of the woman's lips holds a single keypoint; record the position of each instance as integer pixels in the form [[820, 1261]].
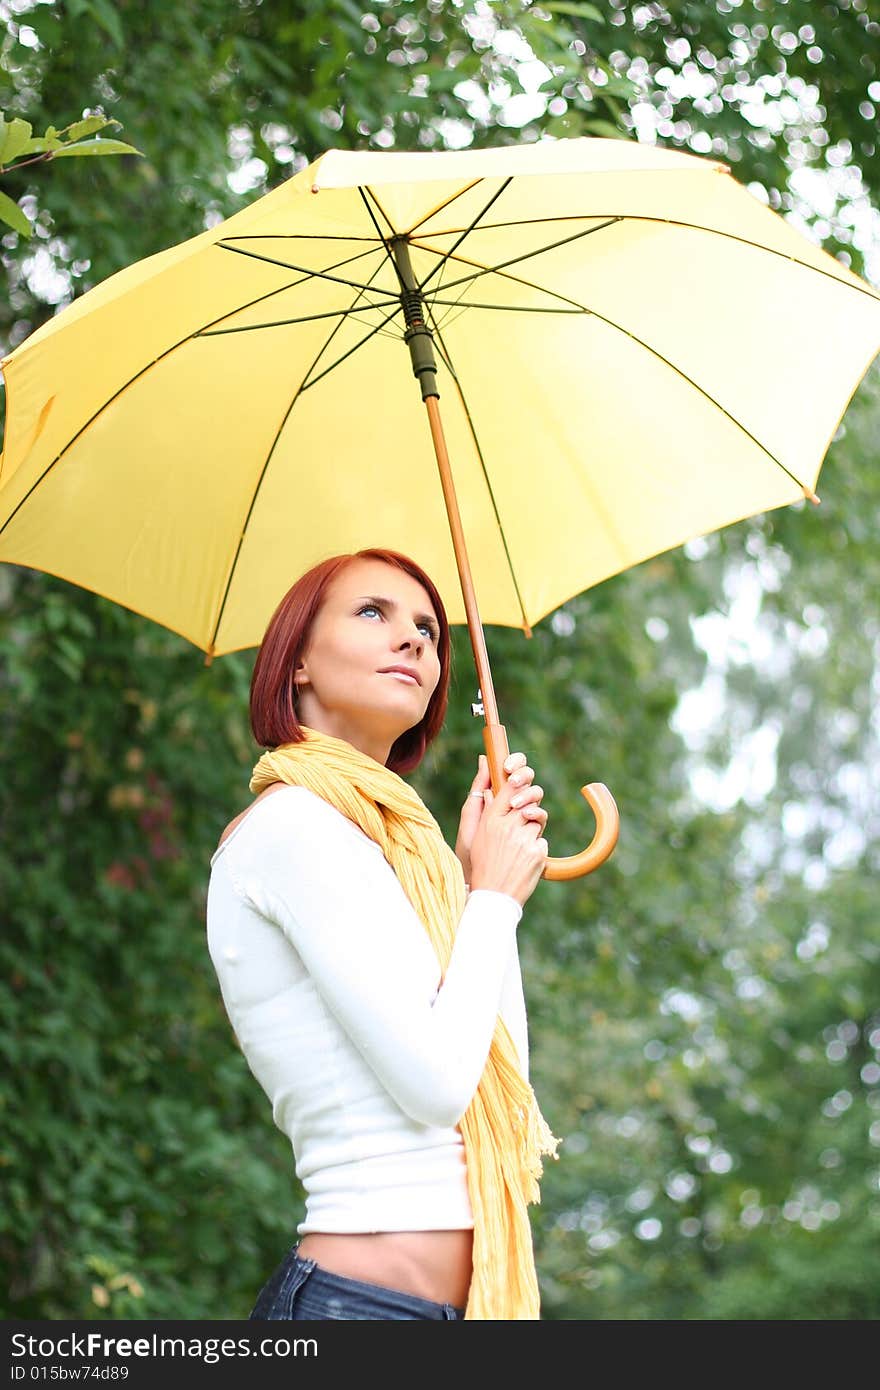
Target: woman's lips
[[401, 676]]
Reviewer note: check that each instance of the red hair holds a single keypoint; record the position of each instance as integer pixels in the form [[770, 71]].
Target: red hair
[[273, 716]]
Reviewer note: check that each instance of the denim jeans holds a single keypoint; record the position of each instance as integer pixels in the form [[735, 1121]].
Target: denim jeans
[[300, 1290]]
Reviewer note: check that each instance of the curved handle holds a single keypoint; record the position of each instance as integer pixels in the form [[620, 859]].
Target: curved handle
[[597, 796], [607, 816]]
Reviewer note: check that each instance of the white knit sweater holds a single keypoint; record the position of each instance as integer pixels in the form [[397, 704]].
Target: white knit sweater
[[333, 991]]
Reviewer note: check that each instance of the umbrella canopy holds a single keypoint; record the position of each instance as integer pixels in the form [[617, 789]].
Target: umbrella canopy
[[632, 351]]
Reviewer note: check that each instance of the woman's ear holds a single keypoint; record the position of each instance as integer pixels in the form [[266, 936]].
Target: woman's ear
[[300, 680]]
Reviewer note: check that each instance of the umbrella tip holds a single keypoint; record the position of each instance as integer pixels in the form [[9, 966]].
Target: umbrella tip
[[209, 657], [811, 497], [527, 630]]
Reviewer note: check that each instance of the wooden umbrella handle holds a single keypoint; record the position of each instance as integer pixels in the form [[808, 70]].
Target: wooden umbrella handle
[[597, 796], [604, 808]]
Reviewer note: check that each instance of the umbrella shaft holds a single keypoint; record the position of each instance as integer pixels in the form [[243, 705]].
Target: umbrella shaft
[[475, 626], [421, 346], [418, 336]]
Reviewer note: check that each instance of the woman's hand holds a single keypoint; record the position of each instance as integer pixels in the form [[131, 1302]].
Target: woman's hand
[[520, 776]]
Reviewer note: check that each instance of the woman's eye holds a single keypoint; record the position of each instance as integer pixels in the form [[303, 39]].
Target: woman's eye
[[429, 627]]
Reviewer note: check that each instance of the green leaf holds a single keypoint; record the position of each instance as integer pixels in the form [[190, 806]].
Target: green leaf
[[18, 133], [617, 87], [97, 147], [444, 79], [47, 27], [88, 126], [69, 655], [12, 214], [582, 11], [605, 129], [105, 15], [40, 144]]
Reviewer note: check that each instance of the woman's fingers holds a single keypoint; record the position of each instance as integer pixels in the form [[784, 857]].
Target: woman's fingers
[[525, 796], [521, 777], [481, 779], [526, 802]]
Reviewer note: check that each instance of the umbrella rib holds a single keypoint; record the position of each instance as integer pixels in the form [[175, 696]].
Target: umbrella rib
[[444, 353], [209, 331], [659, 355], [363, 190], [303, 386], [655, 352], [351, 350], [251, 505], [515, 260], [441, 206], [514, 279], [614, 218], [508, 308], [199, 332], [206, 329], [455, 303], [610, 217], [610, 528], [389, 256], [304, 270], [452, 250], [392, 259], [667, 362], [296, 236], [304, 318]]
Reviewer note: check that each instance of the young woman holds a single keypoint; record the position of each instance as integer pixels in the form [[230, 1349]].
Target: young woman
[[371, 974]]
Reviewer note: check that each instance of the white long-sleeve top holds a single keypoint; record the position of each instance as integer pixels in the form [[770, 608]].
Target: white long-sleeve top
[[333, 991]]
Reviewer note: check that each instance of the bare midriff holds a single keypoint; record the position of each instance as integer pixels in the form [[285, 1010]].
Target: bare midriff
[[435, 1265]]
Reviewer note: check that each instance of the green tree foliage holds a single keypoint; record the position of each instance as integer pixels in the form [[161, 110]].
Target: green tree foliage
[[703, 1010], [20, 147]]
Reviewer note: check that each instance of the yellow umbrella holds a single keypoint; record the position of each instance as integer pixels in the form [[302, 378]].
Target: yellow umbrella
[[632, 351]]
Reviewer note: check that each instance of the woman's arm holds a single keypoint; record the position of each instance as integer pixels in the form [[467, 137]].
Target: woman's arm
[[341, 906]]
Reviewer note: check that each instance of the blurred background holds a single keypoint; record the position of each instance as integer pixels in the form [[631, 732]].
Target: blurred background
[[705, 1009]]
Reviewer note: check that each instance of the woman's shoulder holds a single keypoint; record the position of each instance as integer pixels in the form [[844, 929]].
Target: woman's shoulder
[[293, 807], [266, 792]]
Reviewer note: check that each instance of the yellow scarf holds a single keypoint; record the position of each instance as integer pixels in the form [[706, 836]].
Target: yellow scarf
[[503, 1130]]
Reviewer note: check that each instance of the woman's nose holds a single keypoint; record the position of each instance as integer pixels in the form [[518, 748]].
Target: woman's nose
[[415, 636]]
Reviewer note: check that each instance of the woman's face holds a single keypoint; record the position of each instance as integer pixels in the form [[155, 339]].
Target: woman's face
[[374, 615]]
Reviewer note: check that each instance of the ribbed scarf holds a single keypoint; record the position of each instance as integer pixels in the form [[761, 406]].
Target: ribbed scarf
[[503, 1131]]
